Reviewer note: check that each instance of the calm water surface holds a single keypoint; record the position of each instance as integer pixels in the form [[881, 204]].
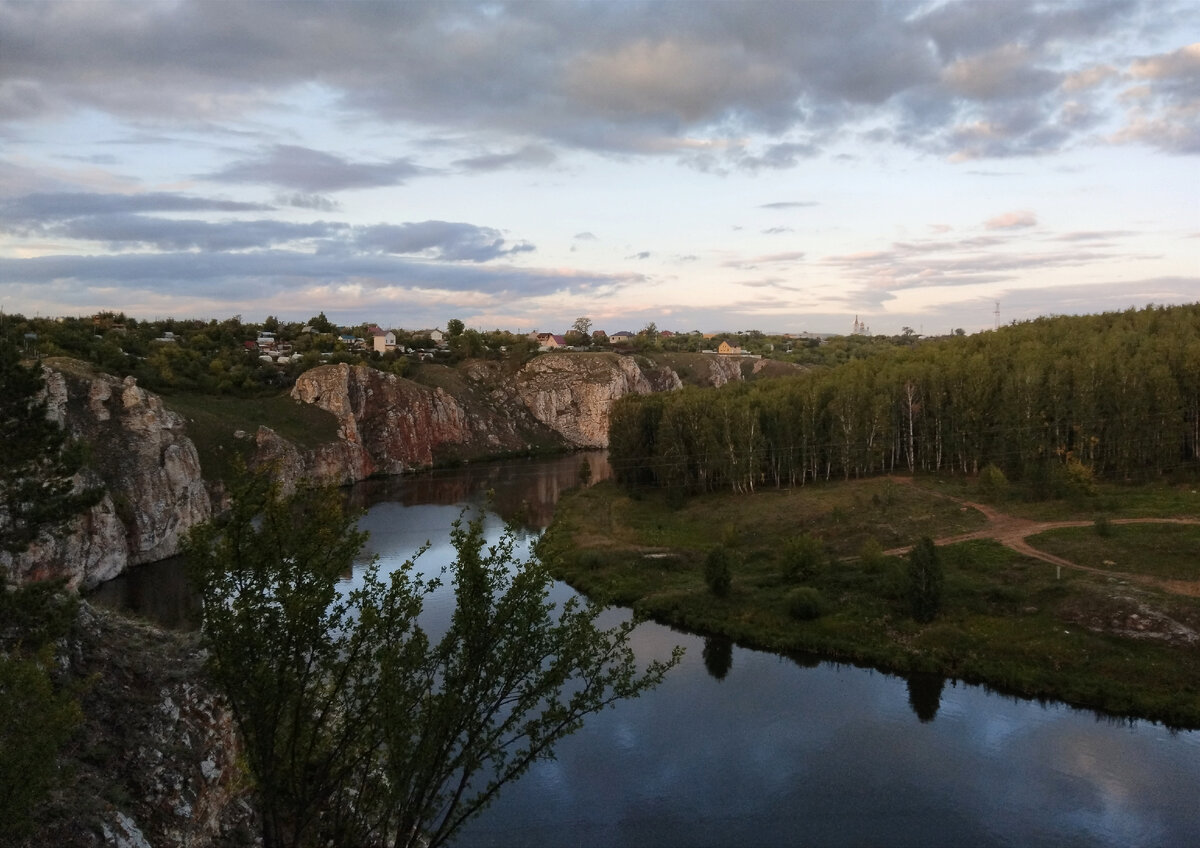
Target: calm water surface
[[741, 747]]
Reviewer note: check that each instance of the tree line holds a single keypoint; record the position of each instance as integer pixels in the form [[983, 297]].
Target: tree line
[[1116, 395]]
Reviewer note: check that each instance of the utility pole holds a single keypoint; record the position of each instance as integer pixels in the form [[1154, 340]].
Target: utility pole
[[997, 315]]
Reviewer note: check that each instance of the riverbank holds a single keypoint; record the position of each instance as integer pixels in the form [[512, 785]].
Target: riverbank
[[1120, 640]]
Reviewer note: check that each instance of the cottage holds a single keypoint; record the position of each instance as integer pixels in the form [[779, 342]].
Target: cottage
[[621, 336], [382, 340], [729, 350]]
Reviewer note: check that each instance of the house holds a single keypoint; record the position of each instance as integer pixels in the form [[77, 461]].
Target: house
[[729, 350], [599, 335], [665, 334], [436, 335], [381, 340], [621, 336], [548, 341]]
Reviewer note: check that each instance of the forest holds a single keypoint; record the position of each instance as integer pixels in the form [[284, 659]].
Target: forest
[[1056, 402]]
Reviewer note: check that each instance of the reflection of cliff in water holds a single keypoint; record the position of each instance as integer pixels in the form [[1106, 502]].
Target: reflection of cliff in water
[[524, 491]]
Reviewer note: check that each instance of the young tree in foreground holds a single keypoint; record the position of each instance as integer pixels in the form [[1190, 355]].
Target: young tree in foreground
[[360, 729]]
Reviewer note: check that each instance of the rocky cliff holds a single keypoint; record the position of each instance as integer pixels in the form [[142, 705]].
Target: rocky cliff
[[140, 455], [573, 393], [390, 425], [156, 760]]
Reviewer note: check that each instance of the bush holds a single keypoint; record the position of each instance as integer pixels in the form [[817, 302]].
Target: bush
[[1103, 526], [925, 580], [803, 557], [805, 603], [871, 555], [992, 482], [717, 571], [1078, 480]]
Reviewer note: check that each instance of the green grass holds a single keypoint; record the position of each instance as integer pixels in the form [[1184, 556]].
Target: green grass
[[212, 422], [1170, 551], [1006, 620], [1154, 500]]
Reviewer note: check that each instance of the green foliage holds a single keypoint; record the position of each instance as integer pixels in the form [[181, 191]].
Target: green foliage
[[360, 729], [37, 715], [718, 574], [37, 463], [804, 603], [1103, 526], [454, 327], [992, 482], [871, 554], [803, 557], [925, 579], [1046, 402], [1079, 480]]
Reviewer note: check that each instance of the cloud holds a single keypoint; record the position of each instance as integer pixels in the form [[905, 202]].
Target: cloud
[[645, 254], [1012, 221], [315, 172], [57, 206], [144, 231], [530, 156], [766, 259], [440, 240], [585, 236], [541, 76], [775, 231], [243, 276], [318, 202]]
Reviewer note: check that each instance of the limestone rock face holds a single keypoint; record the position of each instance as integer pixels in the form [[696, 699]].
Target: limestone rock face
[[572, 393], [150, 471], [156, 760], [723, 369], [386, 424]]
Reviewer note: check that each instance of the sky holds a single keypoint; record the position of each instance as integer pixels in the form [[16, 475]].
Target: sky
[[780, 166]]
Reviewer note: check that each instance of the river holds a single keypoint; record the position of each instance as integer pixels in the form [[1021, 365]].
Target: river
[[742, 747]]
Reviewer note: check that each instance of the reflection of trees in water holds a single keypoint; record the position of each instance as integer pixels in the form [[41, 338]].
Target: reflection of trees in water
[[718, 655], [522, 491], [925, 695]]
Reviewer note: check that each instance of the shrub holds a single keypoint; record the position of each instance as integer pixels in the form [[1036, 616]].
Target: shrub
[[803, 557], [871, 554], [925, 580], [1078, 480], [1103, 526], [805, 603], [992, 482], [717, 572]]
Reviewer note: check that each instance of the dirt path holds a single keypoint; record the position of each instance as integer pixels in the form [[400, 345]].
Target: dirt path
[[1012, 532]]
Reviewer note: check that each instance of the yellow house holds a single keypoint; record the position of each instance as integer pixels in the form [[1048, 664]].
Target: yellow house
[[729, 349]]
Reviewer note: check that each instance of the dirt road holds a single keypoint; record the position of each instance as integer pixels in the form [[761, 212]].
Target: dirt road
[[1013, 532]]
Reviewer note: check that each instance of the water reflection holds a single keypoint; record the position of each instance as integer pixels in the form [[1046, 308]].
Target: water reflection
[[158, 591], [718, 655], [741, 747], [925, 695], [522, 491], [404, 516]]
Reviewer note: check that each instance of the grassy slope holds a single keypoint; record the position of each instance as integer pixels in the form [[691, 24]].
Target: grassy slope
[[212, 422], [1007, 620]]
